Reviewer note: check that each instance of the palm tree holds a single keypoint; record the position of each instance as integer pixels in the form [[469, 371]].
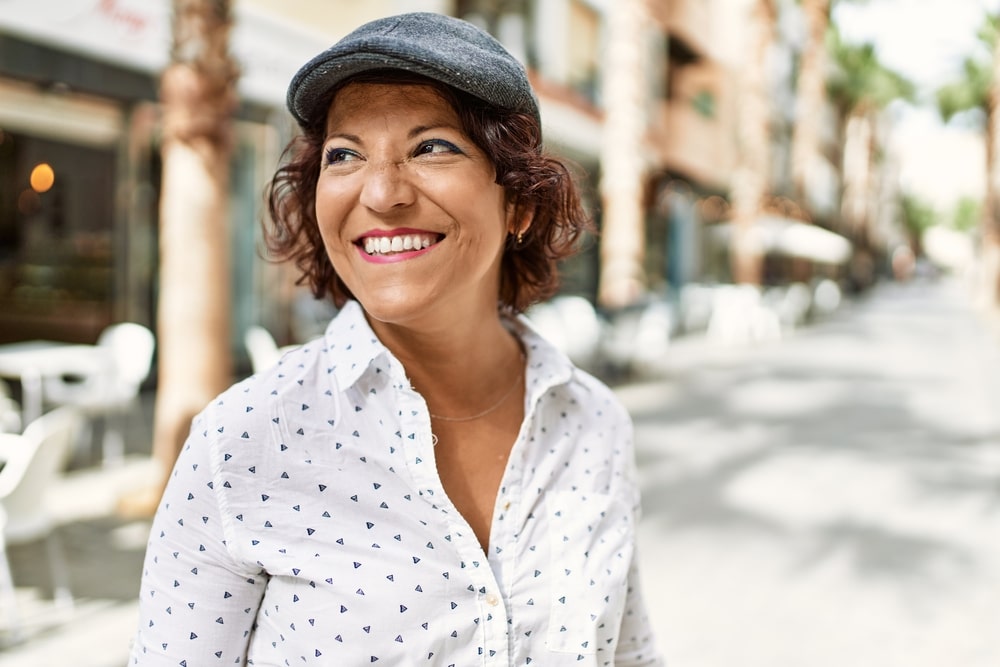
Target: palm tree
[[980, 90], [623, 167], [750, 181], [197, 91], [860, 88], [810, 94]]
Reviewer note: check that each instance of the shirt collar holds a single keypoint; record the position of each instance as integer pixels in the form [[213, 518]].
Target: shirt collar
[[547, 366], [352, 346]]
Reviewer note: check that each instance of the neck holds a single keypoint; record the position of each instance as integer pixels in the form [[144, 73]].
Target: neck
[[458, 365]]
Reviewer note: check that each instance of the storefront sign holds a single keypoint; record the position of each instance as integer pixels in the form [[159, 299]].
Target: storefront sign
[[135, 34]]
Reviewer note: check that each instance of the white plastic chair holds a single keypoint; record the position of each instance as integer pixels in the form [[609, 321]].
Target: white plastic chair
[[32, 462], [10, 411], [572, 324], [113, 392], [739, 316], [262, 348]]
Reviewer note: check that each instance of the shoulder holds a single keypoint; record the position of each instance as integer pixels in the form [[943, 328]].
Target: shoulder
[[248, 409], [553, 379], [599, 395]]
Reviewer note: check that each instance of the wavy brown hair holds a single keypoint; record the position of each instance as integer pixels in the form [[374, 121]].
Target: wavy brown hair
[[534, 182]]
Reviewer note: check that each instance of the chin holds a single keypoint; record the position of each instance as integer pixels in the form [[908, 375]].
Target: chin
[[394, 306]]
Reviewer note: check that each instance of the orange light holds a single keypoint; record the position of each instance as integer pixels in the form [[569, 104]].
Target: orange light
[[42, 177]]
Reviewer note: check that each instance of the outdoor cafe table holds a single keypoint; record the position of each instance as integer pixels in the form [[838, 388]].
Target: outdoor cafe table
[[30, 362]]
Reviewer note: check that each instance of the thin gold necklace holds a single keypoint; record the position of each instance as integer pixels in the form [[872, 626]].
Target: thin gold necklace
[[493, 407]]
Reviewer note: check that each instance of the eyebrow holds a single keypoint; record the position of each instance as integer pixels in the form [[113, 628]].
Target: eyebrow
[[343, 135], [419, 129]]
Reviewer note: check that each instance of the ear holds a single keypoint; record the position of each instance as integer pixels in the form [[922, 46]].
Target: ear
[[519, 219]]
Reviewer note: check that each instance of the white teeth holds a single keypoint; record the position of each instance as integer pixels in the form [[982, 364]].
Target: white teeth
[[381, 245]]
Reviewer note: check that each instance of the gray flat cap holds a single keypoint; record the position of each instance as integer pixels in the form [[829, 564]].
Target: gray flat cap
[[441, 47]]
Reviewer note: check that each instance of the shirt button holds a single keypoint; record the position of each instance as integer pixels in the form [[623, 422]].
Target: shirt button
[[492, 600], [506, 505]]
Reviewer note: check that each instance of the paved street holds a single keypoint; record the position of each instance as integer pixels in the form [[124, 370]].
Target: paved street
[[830, 499]]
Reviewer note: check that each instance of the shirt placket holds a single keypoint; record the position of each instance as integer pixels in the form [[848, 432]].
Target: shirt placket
[[503, 554], [483, 587]]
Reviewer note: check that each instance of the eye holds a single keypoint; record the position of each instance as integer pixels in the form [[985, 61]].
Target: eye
[[437, 146], [335, 155]]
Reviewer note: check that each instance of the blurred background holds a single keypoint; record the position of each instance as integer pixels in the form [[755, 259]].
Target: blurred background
[[795, 290]]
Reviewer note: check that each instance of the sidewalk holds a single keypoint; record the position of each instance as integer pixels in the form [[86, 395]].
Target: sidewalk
[[832, 499]]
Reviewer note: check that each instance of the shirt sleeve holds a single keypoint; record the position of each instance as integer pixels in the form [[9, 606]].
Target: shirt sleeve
[[197, 602], [636, 644], [636, 641]]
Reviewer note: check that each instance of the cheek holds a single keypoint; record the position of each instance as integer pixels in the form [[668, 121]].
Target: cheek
[[486, 228], [329, 211], [487, 247]]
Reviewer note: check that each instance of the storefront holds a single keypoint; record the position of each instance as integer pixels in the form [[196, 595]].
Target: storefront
[[79, 163]]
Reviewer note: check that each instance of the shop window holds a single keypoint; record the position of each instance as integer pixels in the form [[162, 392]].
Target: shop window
[[510, 21], [56, 245], [584, 28]]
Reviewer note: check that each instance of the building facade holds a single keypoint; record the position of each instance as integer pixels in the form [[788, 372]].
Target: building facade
[[78, 96], [78, 93]]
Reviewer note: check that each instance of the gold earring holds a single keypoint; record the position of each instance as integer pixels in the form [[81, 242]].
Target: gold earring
[[520, 239]]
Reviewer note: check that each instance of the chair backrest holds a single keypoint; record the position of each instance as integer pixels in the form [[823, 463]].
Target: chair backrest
[[10, 411], [34, 460], [261, 347], [131, 346]]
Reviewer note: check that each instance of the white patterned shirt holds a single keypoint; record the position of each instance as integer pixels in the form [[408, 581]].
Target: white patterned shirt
[[305, 524]]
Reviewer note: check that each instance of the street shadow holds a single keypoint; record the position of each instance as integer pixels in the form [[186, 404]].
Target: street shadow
[[879, 552], [819, 409]]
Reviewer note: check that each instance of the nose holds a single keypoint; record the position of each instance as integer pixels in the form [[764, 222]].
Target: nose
[[386, 187]]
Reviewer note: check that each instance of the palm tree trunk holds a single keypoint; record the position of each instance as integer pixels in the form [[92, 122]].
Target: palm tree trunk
[[193, 330], [859, 189], [750, 181], [988, 283], [623, 165], [810, 94], [857, 171]]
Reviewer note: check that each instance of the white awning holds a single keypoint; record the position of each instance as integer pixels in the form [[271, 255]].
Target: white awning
[[793, 238]]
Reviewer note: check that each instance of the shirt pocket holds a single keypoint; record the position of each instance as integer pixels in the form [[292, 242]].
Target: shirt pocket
[[591, 545]]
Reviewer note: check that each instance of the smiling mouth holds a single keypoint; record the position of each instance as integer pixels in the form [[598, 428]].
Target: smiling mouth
[[392, 245]]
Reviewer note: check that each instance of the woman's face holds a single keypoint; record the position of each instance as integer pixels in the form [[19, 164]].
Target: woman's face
[[407, 206]]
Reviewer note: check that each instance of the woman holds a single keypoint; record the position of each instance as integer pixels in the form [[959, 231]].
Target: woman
[[430, 482]]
